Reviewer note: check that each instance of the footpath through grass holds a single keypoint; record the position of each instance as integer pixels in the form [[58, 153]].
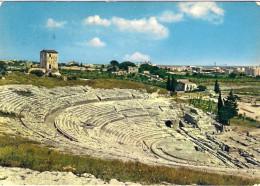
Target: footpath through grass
[[48, 82], [19, 152]]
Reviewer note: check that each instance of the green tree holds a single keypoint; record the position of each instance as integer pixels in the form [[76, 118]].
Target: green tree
[[221, 116], [125, 64], [112, 69], [220, 102], [173, 84], [216, 87], [229, 109], [3, 68], [114, 63], [202, 88], [168, 84], [232, 75], [147, 67]]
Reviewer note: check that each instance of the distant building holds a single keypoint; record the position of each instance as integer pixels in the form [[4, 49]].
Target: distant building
[[198, 69], [88, 65], [238, 70], [185, 85], [49, 60], [154, 77], [73, 63], [146, 72], [208, 70], [146, 62], [252, 71], [75, 68], [120, 72], [131, 69], [228, 71], [173, 68]]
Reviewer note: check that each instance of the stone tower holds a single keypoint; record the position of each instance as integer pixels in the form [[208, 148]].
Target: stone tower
[[49, 60]]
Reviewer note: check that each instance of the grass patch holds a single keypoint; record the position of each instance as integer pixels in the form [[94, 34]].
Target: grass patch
[[248, 91], [205, 105], [247, 122], [16, 151], [48, 82], [124, 84], [224, 81]]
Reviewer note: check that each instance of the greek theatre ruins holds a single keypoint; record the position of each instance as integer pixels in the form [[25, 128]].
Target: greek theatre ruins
[[128, 125]]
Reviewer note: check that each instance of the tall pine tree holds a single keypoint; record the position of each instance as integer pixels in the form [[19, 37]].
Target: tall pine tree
[[216, 87]]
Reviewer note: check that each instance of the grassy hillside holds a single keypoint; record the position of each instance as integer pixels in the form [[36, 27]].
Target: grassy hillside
[[19, 152], [21, 78]]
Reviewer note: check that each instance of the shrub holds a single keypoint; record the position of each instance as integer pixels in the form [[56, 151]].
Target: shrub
[[202, 87], [38, 73], [72, 78]]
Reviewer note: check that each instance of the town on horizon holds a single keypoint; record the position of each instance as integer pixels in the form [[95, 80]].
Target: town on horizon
[[49, 62]]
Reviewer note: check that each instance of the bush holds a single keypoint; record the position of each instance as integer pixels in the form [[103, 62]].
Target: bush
[[38, 73], [202, 88], [3, 72], [72, 78]]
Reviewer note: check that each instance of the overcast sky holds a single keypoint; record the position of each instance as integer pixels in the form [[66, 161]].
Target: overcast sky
[[173, 33]]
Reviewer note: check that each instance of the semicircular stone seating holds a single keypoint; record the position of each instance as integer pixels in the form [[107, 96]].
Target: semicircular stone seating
[[125, 124]]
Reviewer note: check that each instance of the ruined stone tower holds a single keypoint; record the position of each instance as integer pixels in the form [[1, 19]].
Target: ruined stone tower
[[49, 59]]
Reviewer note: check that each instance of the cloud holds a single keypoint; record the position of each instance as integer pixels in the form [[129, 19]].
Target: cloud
[[170, 17], [147, 26], [95, 42], [136, 57], [53, 24], [1, 3], [96, 20], [207, 11], [258, 3]]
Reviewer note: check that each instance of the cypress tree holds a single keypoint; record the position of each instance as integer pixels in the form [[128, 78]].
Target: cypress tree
[[173, 84], [216, 87], [231, 103], [221, 112], [229, 110], [220, 102], [168, 84]]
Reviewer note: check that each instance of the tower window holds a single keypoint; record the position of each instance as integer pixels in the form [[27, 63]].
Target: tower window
[[49, 55]]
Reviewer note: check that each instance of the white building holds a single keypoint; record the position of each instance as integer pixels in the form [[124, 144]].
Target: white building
[[185, 85], [131, 69]]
